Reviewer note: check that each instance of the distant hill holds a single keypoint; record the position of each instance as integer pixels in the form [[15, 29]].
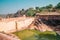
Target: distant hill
[[3, 15]]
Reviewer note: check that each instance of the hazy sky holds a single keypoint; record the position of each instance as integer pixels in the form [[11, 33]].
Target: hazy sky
[[12, 6]]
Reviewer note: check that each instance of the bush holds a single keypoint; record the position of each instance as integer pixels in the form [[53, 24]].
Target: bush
[[37, 35], [30, 13]]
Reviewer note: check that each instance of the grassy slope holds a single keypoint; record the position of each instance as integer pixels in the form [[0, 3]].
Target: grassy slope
[[36, 35]]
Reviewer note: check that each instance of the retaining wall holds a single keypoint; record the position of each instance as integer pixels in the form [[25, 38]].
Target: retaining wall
[[12, 26]]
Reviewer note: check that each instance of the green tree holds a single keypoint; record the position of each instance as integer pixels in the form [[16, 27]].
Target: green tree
[[49, 6], [40, 9], [58, 6], [30, 12], [37, 9], [22, 12]]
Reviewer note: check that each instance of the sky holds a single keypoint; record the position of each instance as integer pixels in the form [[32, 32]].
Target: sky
[[12, 6]]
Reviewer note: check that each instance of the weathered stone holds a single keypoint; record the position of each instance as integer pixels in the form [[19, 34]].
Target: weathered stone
[[8, 37]]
